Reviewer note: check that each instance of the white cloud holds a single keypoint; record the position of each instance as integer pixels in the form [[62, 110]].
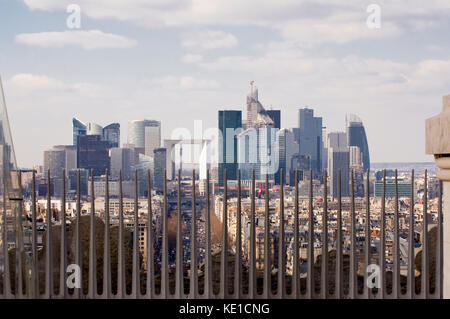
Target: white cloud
[[191, 58], [171, 82], [208, 40], [88, 40]]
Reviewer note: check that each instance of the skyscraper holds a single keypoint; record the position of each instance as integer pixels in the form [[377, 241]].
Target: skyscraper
[[55, 161], [79, 128], [356, 136], [230, 125], [152, 137], [275, 115], [122, 159], [136, 131], [309, 137], [256, 114], [159, 161], [338, 160], [93, 153], [111, 133], [288, 147]]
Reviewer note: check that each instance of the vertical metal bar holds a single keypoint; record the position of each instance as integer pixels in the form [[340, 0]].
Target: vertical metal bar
[[78, 257], [252, 261], [92, 247], [353, 258], [6, 270], [63, 254], [19, 242], [49, 251], [411, 235], [136, 288], [339, 266], [150, 243], [382, 291], [34, 261], [121, 288], [194, 267], [281, 246], [295, 283], [224, 256], [439, 249], [425, 287], [165, 245], [107, 245], [267, 252], [396, 255], [238, 257], [179, 258], [368, 252], [208, 266], [310, 282], [324, 289]]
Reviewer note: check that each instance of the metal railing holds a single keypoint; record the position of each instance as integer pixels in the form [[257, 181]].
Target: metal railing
[[331, 278]]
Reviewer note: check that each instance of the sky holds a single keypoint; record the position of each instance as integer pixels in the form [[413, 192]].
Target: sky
[[182, 61]]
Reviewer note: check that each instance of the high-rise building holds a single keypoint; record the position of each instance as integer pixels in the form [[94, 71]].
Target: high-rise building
[[93, 153], [55, 161], [230, 125], [288, 147], [111, 133], [355, 157], [356, 136], [309, 137], [256, 114], [94, 129], [79, 128], [159, 167], [136, 131], [122, 159], [275, 115], [152, 137], [338, 160]]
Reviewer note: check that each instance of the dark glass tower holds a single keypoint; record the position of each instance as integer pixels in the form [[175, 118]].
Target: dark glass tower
[[93, 153], [111, 133], [275, 115], [309, 137], [229, 122], [79, 128], [356, 136]]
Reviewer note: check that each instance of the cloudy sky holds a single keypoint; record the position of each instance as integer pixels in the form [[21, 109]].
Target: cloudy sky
[[181, 61]]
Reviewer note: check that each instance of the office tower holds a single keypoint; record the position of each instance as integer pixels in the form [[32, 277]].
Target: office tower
[[70, 156], [152, 137], [73, 179], [94, 129], [356, 136], [288, 147], [230, 125], [325, 148], [111, 133], [355, 157], [93, 153], [258, 150], [55, 161], [79, 128], [256, 114], [338, 159], [309, 137], [275, 115], [122, 159], [159, 167], [136, 131]]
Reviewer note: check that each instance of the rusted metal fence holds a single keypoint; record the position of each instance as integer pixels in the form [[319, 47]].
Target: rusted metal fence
[[324, 280]]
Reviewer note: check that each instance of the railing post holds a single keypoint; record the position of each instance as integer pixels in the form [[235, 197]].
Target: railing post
[[438, 144]]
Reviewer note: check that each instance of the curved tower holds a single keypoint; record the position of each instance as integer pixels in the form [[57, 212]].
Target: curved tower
[[356, 136]]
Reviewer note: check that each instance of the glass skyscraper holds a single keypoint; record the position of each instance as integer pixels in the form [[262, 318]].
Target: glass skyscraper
[[230, 123], [93, 153], [356, 136], [111, 134], [309, 137], [79, 128]]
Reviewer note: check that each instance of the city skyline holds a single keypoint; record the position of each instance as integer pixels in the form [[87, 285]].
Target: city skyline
[[153, 61]]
